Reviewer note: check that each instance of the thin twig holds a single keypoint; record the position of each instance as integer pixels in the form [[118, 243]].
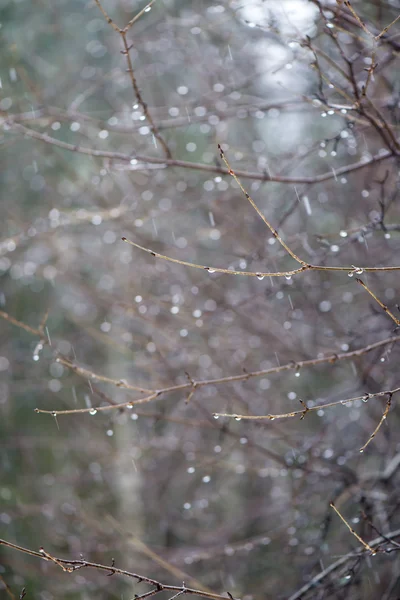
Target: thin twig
[[139, 98], [70, 566], [148, 160], [217, 269], [307, 408], [365, 544], [386, 29], [258, 211], [330, 359], [261, 274], [312, 584], [87, 374], [381, 304], [95, 409], [385, 414], [355, 15], [37, 332]]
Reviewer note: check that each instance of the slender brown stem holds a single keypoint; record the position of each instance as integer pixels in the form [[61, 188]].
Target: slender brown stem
[[127, 47], [69, 566], [381, 304], [365, 544], [154, 160]]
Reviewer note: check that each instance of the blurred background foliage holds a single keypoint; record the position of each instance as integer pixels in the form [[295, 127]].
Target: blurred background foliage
[[164, 488]]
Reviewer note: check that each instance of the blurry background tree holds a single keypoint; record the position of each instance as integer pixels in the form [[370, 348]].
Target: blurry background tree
[[110, 128]]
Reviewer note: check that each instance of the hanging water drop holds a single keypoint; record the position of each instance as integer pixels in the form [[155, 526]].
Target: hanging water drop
[[260, 276], [288, 277], [38, 348], [93, 411]]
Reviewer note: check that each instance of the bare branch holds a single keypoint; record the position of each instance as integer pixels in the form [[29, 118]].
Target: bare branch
[[365, 544]]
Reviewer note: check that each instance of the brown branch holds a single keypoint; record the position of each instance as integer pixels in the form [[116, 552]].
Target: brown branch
[[340, 562], [39, 332], [306, 409], [385, 414], [357, 18], [256, 176], [93, 410], [261, 274], [85, 373], [9, 591], [330, 359], [381, 304], [123, 33], [70, 566], [258, 274], [365, 544], [386, 29], [258, 211]]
